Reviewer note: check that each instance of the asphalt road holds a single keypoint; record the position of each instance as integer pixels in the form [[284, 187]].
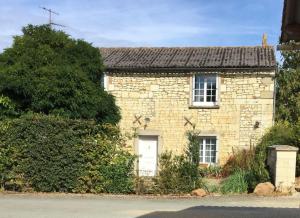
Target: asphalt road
[[228, 212], [94, 206]]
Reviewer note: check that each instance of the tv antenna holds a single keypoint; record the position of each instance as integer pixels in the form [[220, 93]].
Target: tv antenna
[[50, 17]]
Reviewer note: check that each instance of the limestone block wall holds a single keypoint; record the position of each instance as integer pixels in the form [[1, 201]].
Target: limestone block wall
[[282, 164], [165, 100]]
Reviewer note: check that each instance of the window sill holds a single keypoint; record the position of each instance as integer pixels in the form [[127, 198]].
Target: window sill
[[204, 107]]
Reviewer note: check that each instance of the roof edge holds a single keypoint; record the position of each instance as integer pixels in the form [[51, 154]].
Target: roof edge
[[187, 70]]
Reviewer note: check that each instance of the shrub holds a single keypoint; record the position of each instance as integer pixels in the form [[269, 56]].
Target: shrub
[[239, 160], [46, 71], [247, 161], [53, 154], [213, 171], [254, 161], [235, 183], [180, 173], [176, 175], [7, 108], [281, 133]]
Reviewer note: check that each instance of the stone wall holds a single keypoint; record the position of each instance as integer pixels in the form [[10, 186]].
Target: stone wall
[[244, 99], [282, 165]]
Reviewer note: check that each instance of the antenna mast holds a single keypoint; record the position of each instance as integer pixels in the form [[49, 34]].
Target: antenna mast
[[50, 17]]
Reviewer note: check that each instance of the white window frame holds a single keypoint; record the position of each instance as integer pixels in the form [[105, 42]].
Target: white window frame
[[205, 103], [104, 81], [203, 161]]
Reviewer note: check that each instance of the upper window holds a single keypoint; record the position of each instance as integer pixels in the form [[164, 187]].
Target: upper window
[[208, 150], [205, 90]]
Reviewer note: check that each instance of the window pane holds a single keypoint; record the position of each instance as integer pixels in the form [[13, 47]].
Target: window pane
[[207, 146], [213, 147], [207, 159], [201, 99], [213, 141], [207, 153], [201, 85], [212, 79], [208, 98], [214, 86], [213, 159]]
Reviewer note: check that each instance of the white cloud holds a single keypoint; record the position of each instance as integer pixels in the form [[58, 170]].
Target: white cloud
[[143, 22]]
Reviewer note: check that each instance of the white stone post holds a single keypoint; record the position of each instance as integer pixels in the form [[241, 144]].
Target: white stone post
[[282, 165]]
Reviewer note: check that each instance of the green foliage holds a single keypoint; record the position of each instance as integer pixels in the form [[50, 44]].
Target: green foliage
[[281, 133], [193, 147], [212, 171], [288, 103], [145, 185], [235, 183], [288, 91], [46, 71], [7, 108], [54, 154], [212, 188], [254, 161], [239, 160], [176, 175], [180, 173], [249, 161]]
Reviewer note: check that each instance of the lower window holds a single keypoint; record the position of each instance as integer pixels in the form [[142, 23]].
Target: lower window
[[208, 149]]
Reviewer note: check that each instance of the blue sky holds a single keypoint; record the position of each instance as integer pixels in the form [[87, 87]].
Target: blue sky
[[150, 22]]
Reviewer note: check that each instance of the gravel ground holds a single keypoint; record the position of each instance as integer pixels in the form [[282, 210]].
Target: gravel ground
[[90, 206]]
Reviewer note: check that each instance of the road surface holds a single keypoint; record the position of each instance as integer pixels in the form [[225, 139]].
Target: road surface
[[94, 206]]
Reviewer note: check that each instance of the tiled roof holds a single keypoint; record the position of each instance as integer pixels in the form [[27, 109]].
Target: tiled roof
[[188, 58]]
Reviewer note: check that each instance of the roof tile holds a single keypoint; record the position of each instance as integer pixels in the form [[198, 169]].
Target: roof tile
[[188, 57]]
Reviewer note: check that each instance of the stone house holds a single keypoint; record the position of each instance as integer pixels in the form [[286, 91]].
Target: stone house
[[226, 94]]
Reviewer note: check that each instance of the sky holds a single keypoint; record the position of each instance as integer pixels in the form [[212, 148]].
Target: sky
[[115, 23]]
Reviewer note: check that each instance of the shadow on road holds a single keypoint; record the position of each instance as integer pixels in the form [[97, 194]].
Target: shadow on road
[[226, 212]]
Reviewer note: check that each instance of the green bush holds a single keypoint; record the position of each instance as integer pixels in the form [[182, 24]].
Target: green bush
[[212, 171], [254, 162], [180, 173], [280, 134], [7, 108], [235, 183], [176, 175], [53, 154], [247, 161], [46, 71], [239, 160]]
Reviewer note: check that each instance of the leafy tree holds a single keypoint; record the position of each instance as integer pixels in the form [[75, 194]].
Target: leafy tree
[[48, 72], [288, 93]]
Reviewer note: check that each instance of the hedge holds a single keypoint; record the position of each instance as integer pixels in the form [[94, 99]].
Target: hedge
[[52, 154]]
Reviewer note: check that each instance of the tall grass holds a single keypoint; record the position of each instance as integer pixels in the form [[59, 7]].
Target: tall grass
[[236, 183]]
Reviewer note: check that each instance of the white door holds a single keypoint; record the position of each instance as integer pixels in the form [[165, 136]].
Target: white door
[[147, 151]]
